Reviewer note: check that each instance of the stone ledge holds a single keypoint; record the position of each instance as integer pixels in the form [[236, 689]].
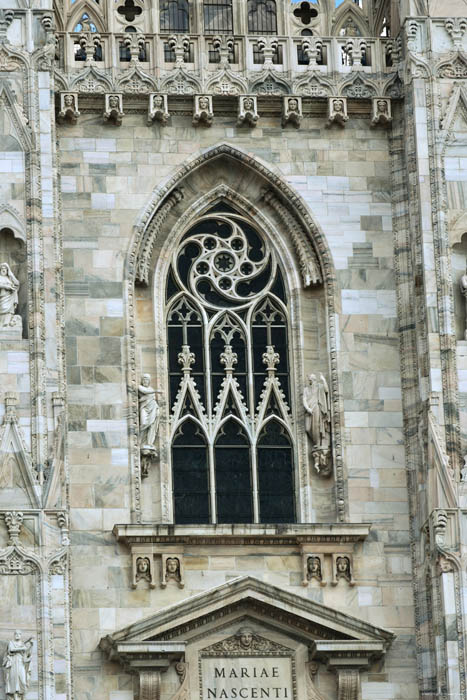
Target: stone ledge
[[255, 534]]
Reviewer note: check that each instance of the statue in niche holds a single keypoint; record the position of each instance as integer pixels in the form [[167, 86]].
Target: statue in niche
[[16, 664], [9, 286], [463, 286], [318, 422], [149, 417]]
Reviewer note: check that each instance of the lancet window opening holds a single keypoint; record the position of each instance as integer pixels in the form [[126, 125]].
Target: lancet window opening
[[232, 430]]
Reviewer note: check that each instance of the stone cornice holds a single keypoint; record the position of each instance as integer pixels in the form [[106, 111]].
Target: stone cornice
[[241, 535]]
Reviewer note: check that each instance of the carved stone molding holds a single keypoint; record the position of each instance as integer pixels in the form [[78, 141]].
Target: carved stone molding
[[143, 262], [308, 260], [13, 522], [149, 685], [241, 535]]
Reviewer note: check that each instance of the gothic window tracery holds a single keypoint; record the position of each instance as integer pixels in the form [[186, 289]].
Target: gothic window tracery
[[229, 377]]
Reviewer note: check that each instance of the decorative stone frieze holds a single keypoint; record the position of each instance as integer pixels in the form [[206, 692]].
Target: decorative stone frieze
[[456, 28]]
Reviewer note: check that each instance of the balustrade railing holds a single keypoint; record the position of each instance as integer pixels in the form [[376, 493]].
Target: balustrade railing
[[158, 53]]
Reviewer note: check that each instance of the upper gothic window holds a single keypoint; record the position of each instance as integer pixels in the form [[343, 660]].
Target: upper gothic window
[[229, 380], [218, 16], [175, 16], [262, 17]]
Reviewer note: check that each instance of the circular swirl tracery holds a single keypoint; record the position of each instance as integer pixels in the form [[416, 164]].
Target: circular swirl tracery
[[224, 261]]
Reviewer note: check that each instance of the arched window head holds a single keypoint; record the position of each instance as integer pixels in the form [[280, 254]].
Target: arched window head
[[262, 17], [229, 377], [174, 16]]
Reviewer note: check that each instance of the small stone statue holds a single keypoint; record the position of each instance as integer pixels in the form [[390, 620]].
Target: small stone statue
[[247, 110], [68, 107], [381, 111], [114, 109], [172, 570], [9, 286], [292, 111], [337, 111], [318, 421], [16, 664], [464, 471], [149, 417], [463, 286], [158, 109], [202, 111]]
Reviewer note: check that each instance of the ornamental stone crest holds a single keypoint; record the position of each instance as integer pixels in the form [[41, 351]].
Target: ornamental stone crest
[[246, 641]]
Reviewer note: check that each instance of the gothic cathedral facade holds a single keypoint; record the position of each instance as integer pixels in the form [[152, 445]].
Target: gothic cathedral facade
[[233, 349]]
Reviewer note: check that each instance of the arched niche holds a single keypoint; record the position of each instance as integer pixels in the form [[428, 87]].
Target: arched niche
[[227, 176], [13, 252]]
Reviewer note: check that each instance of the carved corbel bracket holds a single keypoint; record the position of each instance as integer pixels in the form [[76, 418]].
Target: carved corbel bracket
[[381, 111], [202, 110], [172, 569], [247, 110], [342, 568], [6, 18], [337, 111], [146, 659], [292, 112], [143, 568], [313, 568], [347, 659], [114, 108], [68, 107], [158, 109]]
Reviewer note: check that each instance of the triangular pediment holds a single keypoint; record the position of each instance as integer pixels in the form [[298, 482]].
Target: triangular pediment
[[249, 598]]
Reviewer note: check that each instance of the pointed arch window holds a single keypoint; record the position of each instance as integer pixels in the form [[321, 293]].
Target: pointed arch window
[[229, 375]]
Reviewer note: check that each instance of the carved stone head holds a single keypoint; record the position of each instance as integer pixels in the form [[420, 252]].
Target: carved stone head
[[343, 567], [338, 105], [245, 635], [293, 105], [114, 102], [157, 101], [314, 567], [382, 106], [248, 104], [69, 100], [142, 566], [173, 567], [203, 102]]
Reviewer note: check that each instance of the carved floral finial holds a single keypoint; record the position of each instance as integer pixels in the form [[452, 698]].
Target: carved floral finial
[[13, 522], [271, 359], [186, 359], [229, 359]]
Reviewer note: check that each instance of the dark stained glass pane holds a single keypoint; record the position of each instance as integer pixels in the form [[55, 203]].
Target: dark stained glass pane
[[275, 475], [190, 475], [233, 475]]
